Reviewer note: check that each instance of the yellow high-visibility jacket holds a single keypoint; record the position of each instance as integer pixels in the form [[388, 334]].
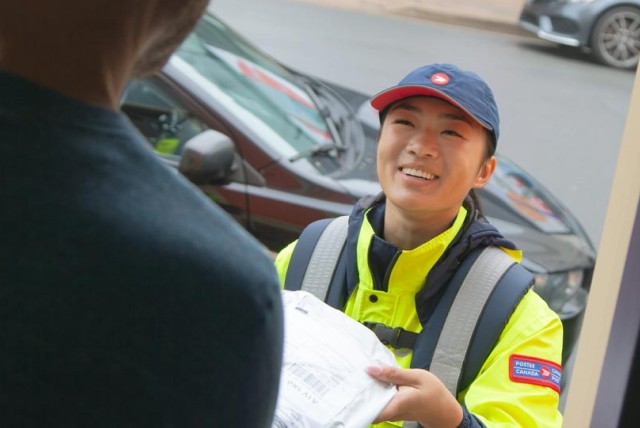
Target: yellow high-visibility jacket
[[518, 384]]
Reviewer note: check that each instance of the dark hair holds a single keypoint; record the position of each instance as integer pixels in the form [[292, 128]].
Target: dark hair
[[491, 144]]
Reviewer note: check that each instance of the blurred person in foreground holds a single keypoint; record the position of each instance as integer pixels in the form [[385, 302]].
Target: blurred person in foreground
[[439, 131], [125, 295]]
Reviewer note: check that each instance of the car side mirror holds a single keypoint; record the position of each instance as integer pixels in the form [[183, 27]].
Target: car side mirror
[[208, 158]]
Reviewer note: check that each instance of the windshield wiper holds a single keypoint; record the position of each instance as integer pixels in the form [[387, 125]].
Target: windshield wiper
[[324, 110], [330, 148]]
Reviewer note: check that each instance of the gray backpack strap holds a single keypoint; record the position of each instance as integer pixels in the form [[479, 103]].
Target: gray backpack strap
[[322, 252], [325, 258], [467, 308]]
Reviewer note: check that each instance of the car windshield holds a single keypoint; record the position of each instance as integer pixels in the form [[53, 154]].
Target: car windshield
[[257, 84], [515, 189]]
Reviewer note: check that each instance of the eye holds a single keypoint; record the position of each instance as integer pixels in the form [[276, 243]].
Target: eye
[[401, 121], [452, 132]]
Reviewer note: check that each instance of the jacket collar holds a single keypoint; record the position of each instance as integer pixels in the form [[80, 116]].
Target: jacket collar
[[476, 232]]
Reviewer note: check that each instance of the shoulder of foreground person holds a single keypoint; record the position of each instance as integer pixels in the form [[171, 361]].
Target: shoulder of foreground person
[[138, 300]]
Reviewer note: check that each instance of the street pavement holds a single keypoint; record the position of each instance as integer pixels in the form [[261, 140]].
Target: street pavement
[[495, 15]]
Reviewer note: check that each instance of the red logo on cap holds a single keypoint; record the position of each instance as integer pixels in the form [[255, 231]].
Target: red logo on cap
[[440, 79]]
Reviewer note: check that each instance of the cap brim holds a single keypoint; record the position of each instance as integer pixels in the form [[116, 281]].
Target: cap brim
[[383, 99]]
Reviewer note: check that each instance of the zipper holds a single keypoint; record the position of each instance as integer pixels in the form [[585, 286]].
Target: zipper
[[387, 274]]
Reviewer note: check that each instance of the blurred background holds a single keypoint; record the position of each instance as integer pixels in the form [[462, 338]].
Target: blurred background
[[562, 114]]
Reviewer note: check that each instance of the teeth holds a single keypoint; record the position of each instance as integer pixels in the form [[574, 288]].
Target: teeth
[[418, 173]]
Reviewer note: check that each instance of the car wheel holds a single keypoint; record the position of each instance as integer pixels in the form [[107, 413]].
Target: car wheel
[[615, 40]]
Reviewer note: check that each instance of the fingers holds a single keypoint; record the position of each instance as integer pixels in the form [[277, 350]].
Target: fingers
[[421, 397], [393, 375]]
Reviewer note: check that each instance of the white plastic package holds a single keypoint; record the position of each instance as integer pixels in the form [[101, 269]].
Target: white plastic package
[[323, 381]]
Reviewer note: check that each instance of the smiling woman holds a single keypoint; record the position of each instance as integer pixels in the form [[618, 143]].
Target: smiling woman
[[406, 250], [430, 155]]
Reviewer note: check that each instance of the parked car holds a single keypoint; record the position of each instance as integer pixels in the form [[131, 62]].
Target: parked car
[[278, 149], [608, 29]]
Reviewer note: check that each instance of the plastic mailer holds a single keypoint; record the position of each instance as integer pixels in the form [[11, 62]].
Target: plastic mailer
[[323, 381]]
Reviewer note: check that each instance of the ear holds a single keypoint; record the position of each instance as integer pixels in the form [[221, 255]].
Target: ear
[[486, 171]]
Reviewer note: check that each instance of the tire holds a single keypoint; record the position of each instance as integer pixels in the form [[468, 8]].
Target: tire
[[615, 40]]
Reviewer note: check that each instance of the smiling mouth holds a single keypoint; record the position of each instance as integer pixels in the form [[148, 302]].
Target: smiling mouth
[[418, 173]]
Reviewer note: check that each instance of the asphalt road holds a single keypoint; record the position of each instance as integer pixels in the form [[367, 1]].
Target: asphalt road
[[562, 116]]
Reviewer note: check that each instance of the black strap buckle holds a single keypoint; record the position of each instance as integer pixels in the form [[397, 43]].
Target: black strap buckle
[[394, 337]]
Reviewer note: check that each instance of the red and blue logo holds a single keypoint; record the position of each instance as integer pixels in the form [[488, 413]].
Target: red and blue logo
[[535, 371]]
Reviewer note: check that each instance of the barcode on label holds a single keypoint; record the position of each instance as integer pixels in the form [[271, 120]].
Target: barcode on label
[[309, 379]]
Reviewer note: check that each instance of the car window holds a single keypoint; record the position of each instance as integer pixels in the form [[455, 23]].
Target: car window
[[165, 122], [257, 84], [517, 191]]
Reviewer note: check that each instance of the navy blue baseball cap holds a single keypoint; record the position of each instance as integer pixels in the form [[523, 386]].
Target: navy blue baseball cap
[[464, 89]]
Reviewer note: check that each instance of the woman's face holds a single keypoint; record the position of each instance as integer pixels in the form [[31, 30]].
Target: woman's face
[[430, 154]]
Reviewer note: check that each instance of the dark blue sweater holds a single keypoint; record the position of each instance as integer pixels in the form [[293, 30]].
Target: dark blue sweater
[[127, 298]]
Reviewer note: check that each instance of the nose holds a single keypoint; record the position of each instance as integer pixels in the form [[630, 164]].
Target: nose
[[423, 144]]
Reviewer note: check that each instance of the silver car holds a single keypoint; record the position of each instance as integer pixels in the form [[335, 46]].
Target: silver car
[[608, 29]]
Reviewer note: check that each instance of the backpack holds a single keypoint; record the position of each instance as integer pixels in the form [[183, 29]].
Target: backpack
[[466, 323]]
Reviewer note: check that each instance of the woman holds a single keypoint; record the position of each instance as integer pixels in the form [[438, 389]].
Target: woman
[[439, 130]]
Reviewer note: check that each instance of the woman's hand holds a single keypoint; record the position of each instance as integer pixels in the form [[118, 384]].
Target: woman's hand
[[421, 397]]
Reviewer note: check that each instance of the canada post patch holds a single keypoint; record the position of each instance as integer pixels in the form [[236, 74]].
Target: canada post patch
[[535, 371]]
